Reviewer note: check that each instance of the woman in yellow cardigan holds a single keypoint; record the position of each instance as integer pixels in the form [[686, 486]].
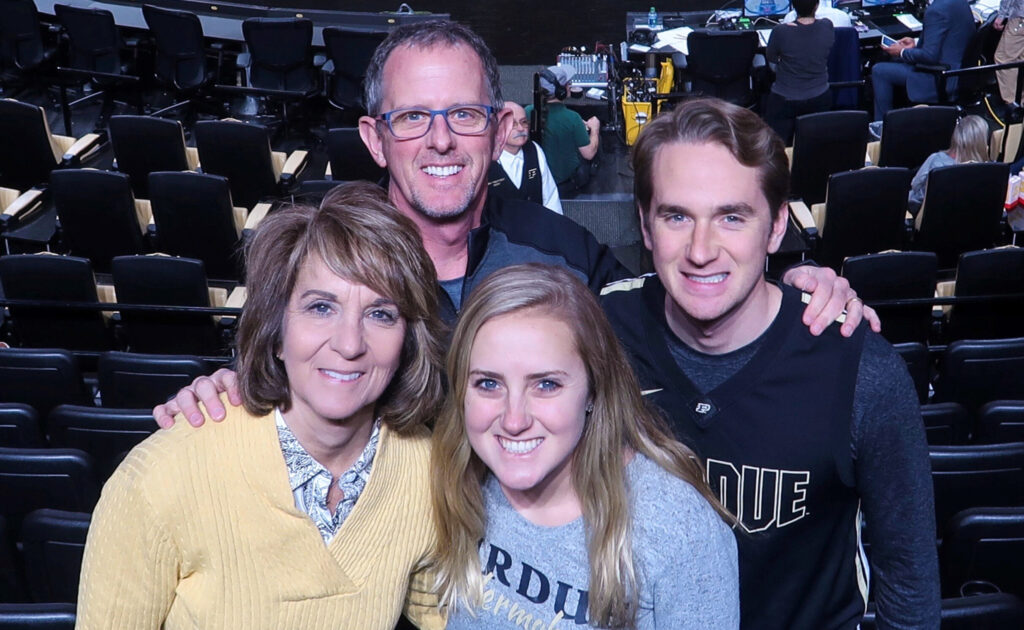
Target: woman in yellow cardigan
[[311, 508]]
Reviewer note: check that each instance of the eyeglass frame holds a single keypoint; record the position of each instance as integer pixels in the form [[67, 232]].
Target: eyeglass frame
[[443, 113]]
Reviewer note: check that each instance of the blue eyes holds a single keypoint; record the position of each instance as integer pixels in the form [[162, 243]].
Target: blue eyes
[[380, 315], [546, 385]]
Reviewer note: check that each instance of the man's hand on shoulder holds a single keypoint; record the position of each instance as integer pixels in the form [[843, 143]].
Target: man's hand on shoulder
[[205, 390], [831, 294]]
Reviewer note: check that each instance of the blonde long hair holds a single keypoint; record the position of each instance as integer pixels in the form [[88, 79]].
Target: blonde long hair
[[970, 140], [620, 420]]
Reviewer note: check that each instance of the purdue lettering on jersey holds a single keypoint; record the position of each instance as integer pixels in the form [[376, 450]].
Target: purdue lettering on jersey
[[760, 497]]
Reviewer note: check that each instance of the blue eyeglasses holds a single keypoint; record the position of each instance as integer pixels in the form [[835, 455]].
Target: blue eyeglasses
[[464, 120]]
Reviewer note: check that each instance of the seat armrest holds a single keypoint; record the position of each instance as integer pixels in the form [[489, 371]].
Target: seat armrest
[[257, 214], [240, 215], [218, 296], [293, 166], [105, 293], [144, 214], [83, 146], [873, 151], [192, 157], [944, 289], [237, 298], [802, 216], [24, 204]]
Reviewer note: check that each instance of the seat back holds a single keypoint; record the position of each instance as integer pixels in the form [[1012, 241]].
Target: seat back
[[844, 65], [891, 276], [21, 40], [976, 371], [57, 278], [349, 157], [946, 423], [106, 434], [19, 426], [720, 62], [24, 126], [983, 548], [823, 144], [180, 53], [97, 214], [146, 144], [989, 272], [911, 134], [963, 205], [186, 204], [1001, 421], [94, 43], [995, 611], [241, 152], [915, 355], [350, 52], [866, 213], [37, 617], [282, 53], [976, 475], [53, 542], [135, 380], [41, 378], [35, 478], [161, 280]]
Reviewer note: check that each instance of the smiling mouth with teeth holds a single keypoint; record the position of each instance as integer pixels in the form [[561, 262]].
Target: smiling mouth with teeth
[[341, 376], [715, 279], [519, 447], [442, 171]]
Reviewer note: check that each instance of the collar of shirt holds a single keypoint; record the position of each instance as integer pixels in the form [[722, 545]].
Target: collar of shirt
[[310, 480]]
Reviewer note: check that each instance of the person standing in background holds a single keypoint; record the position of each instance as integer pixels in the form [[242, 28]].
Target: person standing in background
[[1009, 20], [522, 171]]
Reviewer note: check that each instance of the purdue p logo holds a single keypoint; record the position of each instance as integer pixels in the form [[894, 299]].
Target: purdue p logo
[[702, 408]]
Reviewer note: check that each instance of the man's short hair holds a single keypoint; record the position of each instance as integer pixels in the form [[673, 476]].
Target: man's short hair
[[427, 35], [805, 8], [710, 120]]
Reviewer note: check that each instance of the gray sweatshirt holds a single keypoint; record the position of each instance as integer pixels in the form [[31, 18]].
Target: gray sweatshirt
[[537, 577]]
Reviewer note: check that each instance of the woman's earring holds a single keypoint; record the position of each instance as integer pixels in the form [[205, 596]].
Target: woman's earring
[[590, 408]]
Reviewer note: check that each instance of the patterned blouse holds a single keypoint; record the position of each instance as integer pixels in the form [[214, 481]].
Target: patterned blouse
[[310, 481]]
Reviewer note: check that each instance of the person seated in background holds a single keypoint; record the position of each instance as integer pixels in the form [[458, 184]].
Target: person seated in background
[[522, 171], [968, 144], [825, 11], [569, 141], [311, 508], [556, 488], [946, 30], [798, 51]]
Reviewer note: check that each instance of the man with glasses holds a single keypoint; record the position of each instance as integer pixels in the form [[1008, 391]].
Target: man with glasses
[[522, 168]]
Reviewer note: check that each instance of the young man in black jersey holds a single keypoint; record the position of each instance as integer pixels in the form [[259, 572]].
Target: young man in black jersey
[[803, 435]]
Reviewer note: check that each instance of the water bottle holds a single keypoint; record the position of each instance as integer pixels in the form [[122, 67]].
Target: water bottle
[[652, 19]]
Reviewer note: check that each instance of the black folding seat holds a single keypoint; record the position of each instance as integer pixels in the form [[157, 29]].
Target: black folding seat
[[997, 271], [146, 144], [19, 426], [892, 276], [99, 215], [180, 56], [997, 611], [42, 378], [30, 150], [106, 434], [186, 204], [824, 144], [36, 478], [911, 134], [132, 380], [976, 475], [983, 551], [12, 579], [1001, 421], [37, 616], [52, 543], [349, 53], [946, 423], [23, 53], [348, 158], [915, 355], [963, 205], [976, 371], [166, 281], [61, 279]]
